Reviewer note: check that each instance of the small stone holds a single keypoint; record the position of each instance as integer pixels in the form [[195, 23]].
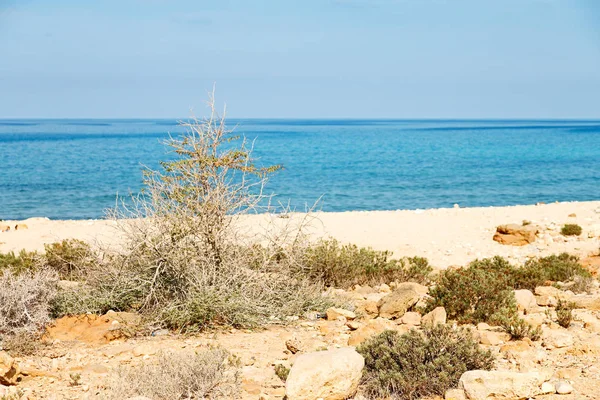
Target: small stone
[[563, 387], [547, 388], [4, 228], [455, 394], [292, 345], [334, 313], [21, 227]]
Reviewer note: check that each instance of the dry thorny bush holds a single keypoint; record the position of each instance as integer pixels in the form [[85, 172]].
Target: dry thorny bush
[[207, 374], [185, 262]]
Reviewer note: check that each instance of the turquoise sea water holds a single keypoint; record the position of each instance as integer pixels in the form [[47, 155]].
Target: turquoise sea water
[[72, 169]]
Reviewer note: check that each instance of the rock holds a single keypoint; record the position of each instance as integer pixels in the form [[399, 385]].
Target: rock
[[397, 303], [435, 317], [9, 370], [563, 387], [547, 388], [411, 318], [384, 288], [554, 292], [557, 339], [515, 235], [139, 398], [420, 289], [293, 346], [492, 338], [21, 227], [353, 325], [333, 313], [370, 328], [327, 375], [484, 385], [4, 228], [572, 215], [546, 301], [525, 299], [455, 394], [590, 302]]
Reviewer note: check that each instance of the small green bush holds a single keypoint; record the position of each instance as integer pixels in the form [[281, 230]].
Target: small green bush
[[282, 372], [70, 258], [571, 230], [556, 268], [343, 266], [564, 313], [475, 293], [419, 364], [17, 264], [515, 326]]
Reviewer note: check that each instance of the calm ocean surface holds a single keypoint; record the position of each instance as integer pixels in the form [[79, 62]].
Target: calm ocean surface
[[73, 169]]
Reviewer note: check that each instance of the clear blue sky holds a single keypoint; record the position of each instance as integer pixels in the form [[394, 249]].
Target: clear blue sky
[[301, 58]]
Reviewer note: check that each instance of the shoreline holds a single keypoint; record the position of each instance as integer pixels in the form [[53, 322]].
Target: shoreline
[[446, 236]]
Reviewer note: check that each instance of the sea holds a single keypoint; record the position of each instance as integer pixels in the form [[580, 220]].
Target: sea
[[76, 168]]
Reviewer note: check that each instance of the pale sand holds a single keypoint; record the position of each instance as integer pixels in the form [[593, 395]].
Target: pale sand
[[445, 236]]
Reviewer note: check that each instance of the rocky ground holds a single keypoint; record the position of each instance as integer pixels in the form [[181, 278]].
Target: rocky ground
[[90, 348], [81, 353]]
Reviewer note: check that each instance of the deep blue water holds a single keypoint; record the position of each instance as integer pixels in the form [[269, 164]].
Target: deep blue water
[[74, 168]]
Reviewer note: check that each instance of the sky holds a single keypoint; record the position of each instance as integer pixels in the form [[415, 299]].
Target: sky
[[300, 58]]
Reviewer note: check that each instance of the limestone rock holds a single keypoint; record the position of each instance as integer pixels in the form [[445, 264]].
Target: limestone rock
[[4, 228], [327, 375], [411, 318], [397, 303], [9, 370], [435, 317], [293, 345], [564, 387], [547, 388], [420, 289], [483, 385], [21, 227], [525, 299], [590, 302], [557, 339], [515, 235], [370, 328], [333, 313], [492, 338]]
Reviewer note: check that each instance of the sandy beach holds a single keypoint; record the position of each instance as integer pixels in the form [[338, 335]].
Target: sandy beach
[[450, 236]]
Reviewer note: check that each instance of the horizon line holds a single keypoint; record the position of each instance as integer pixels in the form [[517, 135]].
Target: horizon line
[[586, 119]]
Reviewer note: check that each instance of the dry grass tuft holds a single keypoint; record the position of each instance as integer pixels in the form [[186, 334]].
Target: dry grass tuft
[[25, 300], [209, 374]]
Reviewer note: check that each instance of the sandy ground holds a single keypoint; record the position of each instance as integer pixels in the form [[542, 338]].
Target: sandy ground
[[452, 236]]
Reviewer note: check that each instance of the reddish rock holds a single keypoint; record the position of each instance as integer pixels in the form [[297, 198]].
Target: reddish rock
[[515, 235]]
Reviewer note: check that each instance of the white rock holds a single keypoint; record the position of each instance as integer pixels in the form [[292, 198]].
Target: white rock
[[525, 299], [483, 385], [563, 387], [548, 388], [455, 394], [327, 375]]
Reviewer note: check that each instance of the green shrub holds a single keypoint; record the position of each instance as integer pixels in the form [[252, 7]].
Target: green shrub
[[475, 293], [515, 326], [571, 230], [419, 364], [334, 264], [536, 272], [282, 372], [70, 258], [564, 313], [23, 262]]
